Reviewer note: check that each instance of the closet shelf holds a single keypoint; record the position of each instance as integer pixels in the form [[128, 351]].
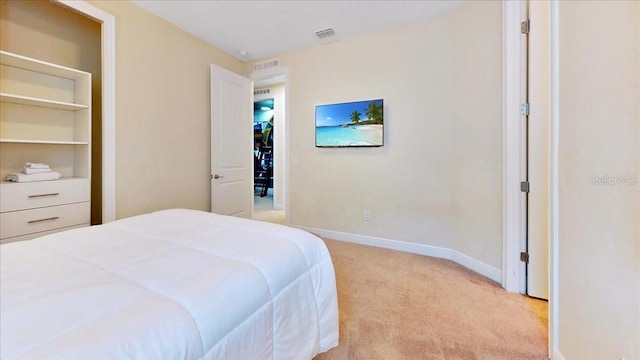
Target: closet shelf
[[64, 178], [27, 100], [53, 142]]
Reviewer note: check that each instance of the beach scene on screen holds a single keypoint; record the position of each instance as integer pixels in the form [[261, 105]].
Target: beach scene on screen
[[350, 124]]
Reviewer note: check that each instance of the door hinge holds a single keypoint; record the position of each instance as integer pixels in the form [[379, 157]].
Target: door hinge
[[524, 186], [524, 109], [525, 26], [524, 257]]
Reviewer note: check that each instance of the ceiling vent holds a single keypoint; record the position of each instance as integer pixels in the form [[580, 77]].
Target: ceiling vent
[[321, 34], [266, 64], [262, 92]]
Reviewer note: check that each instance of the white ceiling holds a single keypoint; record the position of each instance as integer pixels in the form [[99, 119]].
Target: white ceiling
[[263, 29]]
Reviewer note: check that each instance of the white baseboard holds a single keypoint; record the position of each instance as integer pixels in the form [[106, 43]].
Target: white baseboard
[[421, 249], [558, 356], [477, 266]]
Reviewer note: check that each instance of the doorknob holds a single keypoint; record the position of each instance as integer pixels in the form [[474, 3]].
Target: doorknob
[[216, 176]]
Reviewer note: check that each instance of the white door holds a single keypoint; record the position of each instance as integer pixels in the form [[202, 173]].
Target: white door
[[231, 136], [538, 154]]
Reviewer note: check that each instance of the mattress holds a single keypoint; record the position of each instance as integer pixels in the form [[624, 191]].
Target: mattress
[[173, 284]]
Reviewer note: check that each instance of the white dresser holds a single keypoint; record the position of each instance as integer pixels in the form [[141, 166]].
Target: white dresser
[[45, 117]]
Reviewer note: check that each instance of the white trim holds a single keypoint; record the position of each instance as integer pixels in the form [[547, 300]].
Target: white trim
[[420, 249], [476, 265], [558, 356], [264, 74], [513, 200], [554, 103], [108, 22], [287, 155]]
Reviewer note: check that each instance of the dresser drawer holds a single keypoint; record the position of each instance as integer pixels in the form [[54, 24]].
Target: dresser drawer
[[22, 196], [43, 219]]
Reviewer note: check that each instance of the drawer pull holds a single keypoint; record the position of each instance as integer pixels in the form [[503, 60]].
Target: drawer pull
[[42, 195], [41, 220]]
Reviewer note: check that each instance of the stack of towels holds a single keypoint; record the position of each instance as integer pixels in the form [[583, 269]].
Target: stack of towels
[[34, 172]]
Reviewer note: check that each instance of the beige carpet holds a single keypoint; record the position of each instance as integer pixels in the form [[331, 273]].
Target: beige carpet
[[263, 209], [396, 305]]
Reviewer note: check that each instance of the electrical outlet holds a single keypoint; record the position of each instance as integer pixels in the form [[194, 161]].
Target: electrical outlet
[[367, 215]]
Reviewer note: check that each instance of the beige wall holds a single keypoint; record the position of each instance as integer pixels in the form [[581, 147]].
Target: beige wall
[[48, 32], [438, 178], [162, 116], [599, 135], [477, 131]]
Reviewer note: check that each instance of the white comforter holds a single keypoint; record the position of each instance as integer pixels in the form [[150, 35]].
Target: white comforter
[[175, 284]]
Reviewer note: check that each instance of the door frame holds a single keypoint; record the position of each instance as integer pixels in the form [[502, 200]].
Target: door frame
[[108, 34], [513, 95], [554, 112], [266, 74]]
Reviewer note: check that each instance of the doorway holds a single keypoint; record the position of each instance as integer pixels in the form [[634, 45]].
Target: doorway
[[269, 149], [517, 250]]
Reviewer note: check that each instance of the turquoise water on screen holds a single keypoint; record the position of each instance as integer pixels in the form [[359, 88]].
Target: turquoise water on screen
[[362, 135]]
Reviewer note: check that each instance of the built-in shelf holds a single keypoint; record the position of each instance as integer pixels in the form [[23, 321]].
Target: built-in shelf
[[32, 101], [45, 109], [66, 178], [50, 142], [30, 64]]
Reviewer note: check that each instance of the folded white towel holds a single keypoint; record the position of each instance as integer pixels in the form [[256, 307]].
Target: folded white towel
[[20, 177], [30, 171], [31, 165]]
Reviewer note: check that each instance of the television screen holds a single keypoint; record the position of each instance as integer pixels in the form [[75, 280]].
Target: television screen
[[357, 124]]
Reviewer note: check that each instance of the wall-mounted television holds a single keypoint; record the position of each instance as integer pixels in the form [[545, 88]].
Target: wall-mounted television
[[350, 124]]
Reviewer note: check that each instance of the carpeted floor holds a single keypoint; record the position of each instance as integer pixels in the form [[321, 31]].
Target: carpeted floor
[[264, 211], [396, 305]]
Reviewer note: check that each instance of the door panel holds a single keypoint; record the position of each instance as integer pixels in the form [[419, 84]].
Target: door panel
[[231, 126], [538, 154]]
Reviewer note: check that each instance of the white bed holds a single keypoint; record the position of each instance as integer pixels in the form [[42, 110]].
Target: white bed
[[174, 284]]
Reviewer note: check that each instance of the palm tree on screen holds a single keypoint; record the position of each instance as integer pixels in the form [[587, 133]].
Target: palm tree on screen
[[374, 113], [355, 116]]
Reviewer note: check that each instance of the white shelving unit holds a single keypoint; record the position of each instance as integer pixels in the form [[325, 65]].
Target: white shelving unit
[[45, 116]]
